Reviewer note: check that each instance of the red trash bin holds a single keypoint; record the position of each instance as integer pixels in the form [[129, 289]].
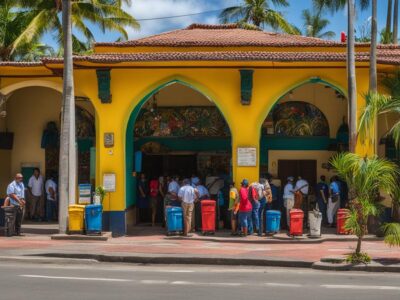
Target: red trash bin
[[342, 216], [296, 222], [208, 216]]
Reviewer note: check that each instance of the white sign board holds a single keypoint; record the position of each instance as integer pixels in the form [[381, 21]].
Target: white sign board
[[109, 182], [247, 157]]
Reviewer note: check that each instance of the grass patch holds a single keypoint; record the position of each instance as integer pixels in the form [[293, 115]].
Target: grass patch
[[358, 258]]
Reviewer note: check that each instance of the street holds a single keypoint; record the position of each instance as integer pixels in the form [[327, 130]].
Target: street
[[122, 281]]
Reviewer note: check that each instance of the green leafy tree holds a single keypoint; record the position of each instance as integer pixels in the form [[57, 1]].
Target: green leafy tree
[[258, 13], [44, 16], [315, 24], [366, 177]]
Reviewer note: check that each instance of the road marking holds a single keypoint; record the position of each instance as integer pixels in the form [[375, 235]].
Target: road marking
[[361, 287], [154, 281], [293, 285], [182, 283], [77, 278]]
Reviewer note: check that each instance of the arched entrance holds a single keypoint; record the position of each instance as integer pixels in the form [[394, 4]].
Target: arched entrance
[[305, 127], [31, 119], [175, 130]]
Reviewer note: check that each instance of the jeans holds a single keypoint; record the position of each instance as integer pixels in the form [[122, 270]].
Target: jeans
[[261, 215], [255, 217], [51, 210], [323, 209], [245, 219]]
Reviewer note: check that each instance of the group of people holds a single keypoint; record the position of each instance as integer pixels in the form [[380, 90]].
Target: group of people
[[38, 201], [171, 191]]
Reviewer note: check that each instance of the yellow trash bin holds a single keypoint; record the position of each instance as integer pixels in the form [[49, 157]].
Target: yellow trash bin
[[75, 218]]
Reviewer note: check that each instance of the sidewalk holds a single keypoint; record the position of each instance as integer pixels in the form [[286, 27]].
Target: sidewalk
[[148, 245]]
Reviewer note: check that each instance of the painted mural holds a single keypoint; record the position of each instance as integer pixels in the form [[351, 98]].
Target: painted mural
[[296, 118], [181, 122]]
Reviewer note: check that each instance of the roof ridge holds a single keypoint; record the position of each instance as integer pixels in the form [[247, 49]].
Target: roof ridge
[[213, 26]]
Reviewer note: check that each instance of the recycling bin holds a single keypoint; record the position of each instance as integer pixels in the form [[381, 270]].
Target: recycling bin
[[208, 213], [273, 221], [296, 222], [93, 218], [75, 219], [315, 222], [174, 220], [342, 216]]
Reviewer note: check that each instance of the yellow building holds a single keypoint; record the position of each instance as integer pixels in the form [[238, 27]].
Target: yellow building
[[208, 100]]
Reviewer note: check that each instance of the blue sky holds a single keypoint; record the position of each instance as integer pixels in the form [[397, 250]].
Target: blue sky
[[145, 9]]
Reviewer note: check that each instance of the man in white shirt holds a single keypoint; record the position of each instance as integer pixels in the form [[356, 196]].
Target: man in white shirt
[[35, 187], [301, 197], [288, 198], [51, 201], [187, 195]]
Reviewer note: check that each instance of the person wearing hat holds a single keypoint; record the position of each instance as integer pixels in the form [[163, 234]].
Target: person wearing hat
[[16, 198], [245, 208], [288, 197]]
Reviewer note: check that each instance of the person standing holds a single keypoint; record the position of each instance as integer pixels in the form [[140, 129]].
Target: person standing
[[233, 207], [51, 201], [322, 195], [265, 203], [143, 193], [171, 198], [245, 208], [187, 195], [154, 188], [334, 200], [35, 187], [288, 198], [16, 198]]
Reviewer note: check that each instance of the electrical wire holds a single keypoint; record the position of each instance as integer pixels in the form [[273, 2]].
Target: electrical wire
[[181, 16]]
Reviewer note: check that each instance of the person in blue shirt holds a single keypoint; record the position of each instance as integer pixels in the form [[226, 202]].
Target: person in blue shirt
[[334, 200], [16, 198], [322, 195]]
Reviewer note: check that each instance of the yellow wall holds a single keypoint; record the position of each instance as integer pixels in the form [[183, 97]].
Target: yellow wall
[[320, 156], [222, 86], [5, 166]]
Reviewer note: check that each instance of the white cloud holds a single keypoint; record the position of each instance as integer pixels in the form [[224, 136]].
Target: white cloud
[[148, 9]]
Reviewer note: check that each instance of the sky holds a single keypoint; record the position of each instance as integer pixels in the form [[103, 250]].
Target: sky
[[149, 9]]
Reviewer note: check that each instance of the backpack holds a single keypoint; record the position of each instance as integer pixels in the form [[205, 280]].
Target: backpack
[[252, 194]]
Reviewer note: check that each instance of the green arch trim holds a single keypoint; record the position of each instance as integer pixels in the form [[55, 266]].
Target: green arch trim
[[315, 80], [130, 181]]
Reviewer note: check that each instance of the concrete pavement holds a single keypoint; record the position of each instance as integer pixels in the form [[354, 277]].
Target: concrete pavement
[[152, 246], [116, 281]]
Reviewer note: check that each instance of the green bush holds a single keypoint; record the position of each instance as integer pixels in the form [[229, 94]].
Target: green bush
[[359, 258]]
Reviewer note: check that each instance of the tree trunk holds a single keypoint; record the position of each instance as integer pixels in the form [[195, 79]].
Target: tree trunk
[[67, 176], [396, 22], [388, 28], [359, 241], [351, 76], [373, 81]]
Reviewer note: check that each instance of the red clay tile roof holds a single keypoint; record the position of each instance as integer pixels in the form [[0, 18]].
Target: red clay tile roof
[[384, 57], [21, 63], [228, 35]]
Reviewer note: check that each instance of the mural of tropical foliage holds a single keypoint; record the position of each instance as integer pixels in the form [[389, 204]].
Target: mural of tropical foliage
[[297, 118], [181, 122]]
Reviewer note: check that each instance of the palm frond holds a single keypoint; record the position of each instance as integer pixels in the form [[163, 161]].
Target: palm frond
[[392, 234]]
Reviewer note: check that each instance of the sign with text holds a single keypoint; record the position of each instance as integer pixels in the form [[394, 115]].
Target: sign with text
[[247, 157], [109, 182], [85, 193]]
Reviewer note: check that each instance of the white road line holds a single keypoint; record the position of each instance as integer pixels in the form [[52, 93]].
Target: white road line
[[154, 281], [361, 287], [77, 278], [292, 285], [182, 283]]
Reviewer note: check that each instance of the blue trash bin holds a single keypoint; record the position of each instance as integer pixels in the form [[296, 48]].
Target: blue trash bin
[[273, 221], [174, 220], [93, 218]]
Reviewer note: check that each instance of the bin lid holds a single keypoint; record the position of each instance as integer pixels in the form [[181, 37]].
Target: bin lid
[[273, 212], [77, 206], [174, 209], [93, 206], [207, 202], [296, 212]]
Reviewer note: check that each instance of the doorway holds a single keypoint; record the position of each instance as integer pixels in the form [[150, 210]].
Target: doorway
[[307, 169]]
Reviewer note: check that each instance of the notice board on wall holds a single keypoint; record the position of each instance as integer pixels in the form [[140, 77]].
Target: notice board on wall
[[247, 157]]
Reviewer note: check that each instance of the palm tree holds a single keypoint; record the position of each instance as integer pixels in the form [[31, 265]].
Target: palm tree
[[388, 29], [373, 76], [258, 13], [314, 25], [365, 178], [335, 5], [45, 17], [67, 176], [396, 22]]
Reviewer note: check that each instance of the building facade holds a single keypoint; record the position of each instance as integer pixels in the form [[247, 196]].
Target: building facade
[[208, 100]]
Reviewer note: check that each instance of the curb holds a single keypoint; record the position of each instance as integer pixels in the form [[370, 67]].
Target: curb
[[47, 260], [168, 260]]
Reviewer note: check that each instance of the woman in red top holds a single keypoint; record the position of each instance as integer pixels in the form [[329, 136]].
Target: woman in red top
[[154, 193], [245, 208]]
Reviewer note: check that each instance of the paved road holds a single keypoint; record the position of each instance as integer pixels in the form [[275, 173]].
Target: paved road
[[116, 281]]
